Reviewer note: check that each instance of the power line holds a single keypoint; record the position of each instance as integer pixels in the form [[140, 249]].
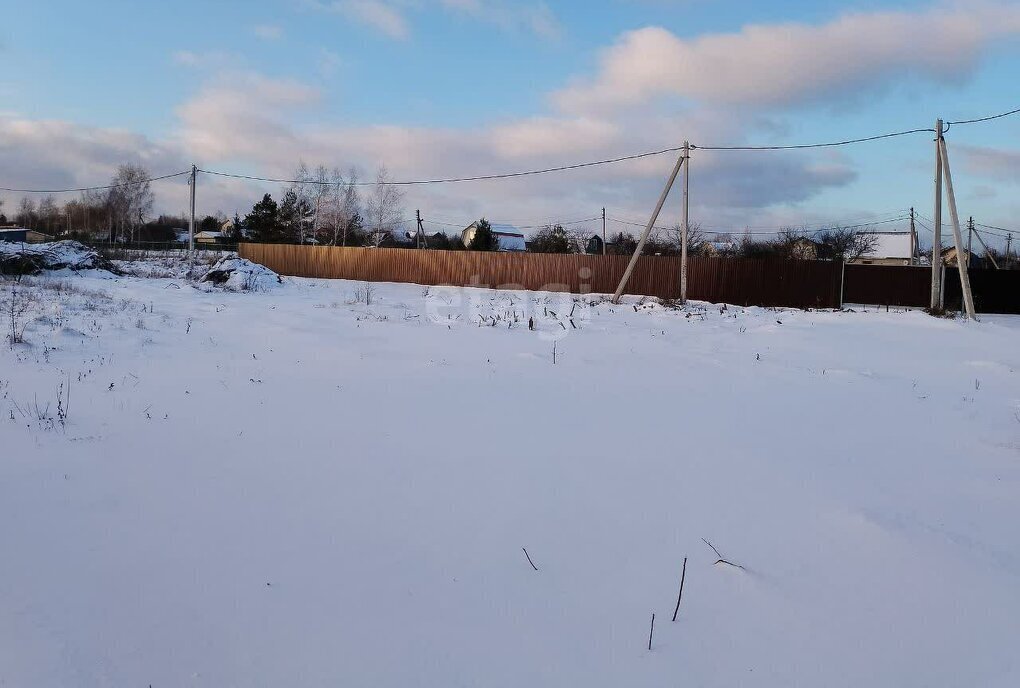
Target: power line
[[986, 119], [778, 230], [801, 146], [453, 180], [527, 173], [98, 188]]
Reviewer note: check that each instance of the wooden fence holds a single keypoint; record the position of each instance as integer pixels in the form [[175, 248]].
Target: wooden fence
[[887, 285], [738, 281]]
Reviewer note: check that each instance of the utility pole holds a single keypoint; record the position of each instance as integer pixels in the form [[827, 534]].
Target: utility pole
[[686, 222], [970, 238], [968, 295], [936, 246], [419, 234], [603, 231], [913, 239], [191, 223], [1009, 240], [648, 229]]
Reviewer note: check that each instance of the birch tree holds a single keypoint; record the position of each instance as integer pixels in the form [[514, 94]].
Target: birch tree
[[384, 207]]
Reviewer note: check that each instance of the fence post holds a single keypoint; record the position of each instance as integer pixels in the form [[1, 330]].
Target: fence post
[[842, 284]]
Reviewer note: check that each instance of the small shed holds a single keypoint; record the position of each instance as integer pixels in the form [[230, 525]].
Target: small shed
[[22, 235]]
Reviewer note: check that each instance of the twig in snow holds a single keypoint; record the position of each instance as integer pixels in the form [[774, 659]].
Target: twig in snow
[[529, 559], [720, 559], [683, 574], [651, 631]]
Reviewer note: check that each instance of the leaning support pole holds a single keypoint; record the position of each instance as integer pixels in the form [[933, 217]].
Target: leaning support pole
[[988, 253], [648, 230], [968, 296]]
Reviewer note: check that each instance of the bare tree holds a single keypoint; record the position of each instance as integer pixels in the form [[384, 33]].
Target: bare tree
[[845, 244], [384, 206], [130, 200], [341, 208], [673, 238], [26, 216]]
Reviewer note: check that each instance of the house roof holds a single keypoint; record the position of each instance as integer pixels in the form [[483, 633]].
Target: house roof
[[208, 235], [890, 245]]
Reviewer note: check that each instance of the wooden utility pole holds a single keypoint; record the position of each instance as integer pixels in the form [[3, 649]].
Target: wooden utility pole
[[419, 233], [1009, 241], [686, 222], [603, 231], [648, 229], [968, 296], [191, 222], [970, 239], [936, 245], [913, 239]]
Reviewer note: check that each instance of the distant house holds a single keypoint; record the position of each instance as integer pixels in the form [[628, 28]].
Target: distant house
[[720, 248], [949, 257], [21, 235], [508, 237], [803, 248], [891, 248], [209, 237]]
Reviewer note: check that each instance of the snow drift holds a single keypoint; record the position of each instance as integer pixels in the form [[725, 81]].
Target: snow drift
[[31, 259], [239, 274]]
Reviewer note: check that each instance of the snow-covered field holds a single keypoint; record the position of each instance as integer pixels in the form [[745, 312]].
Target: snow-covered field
[[296, 487]]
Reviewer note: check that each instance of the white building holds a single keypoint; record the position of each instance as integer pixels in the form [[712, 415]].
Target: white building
[[508, 237]]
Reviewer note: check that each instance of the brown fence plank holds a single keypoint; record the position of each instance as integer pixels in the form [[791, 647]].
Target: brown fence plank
[[738, 281]]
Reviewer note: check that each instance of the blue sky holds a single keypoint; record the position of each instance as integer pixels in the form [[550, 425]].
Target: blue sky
[[450, 87]]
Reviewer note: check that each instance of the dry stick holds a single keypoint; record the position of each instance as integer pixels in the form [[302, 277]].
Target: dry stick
[[720, 559], [529, 559], [651, 631], [683, 574]]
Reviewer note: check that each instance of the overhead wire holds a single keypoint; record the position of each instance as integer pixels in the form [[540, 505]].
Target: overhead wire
[[98, 188], [527, 173]]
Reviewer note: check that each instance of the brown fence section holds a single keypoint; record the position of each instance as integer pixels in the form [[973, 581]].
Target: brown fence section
[[887, 285], [653, 275], [765, 282], [995, 291], [739, 281]]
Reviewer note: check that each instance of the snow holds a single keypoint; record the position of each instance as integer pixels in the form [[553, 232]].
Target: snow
[[239, 274], [331, 483], [55, 255]]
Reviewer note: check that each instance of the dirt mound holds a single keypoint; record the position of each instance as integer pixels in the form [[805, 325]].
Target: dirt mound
[[32, 259], [240, 274]]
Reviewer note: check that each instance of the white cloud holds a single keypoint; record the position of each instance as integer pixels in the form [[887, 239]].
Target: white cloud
[[536, 18], [783, 64], [381, 16], [267, 32], [993, 163]]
